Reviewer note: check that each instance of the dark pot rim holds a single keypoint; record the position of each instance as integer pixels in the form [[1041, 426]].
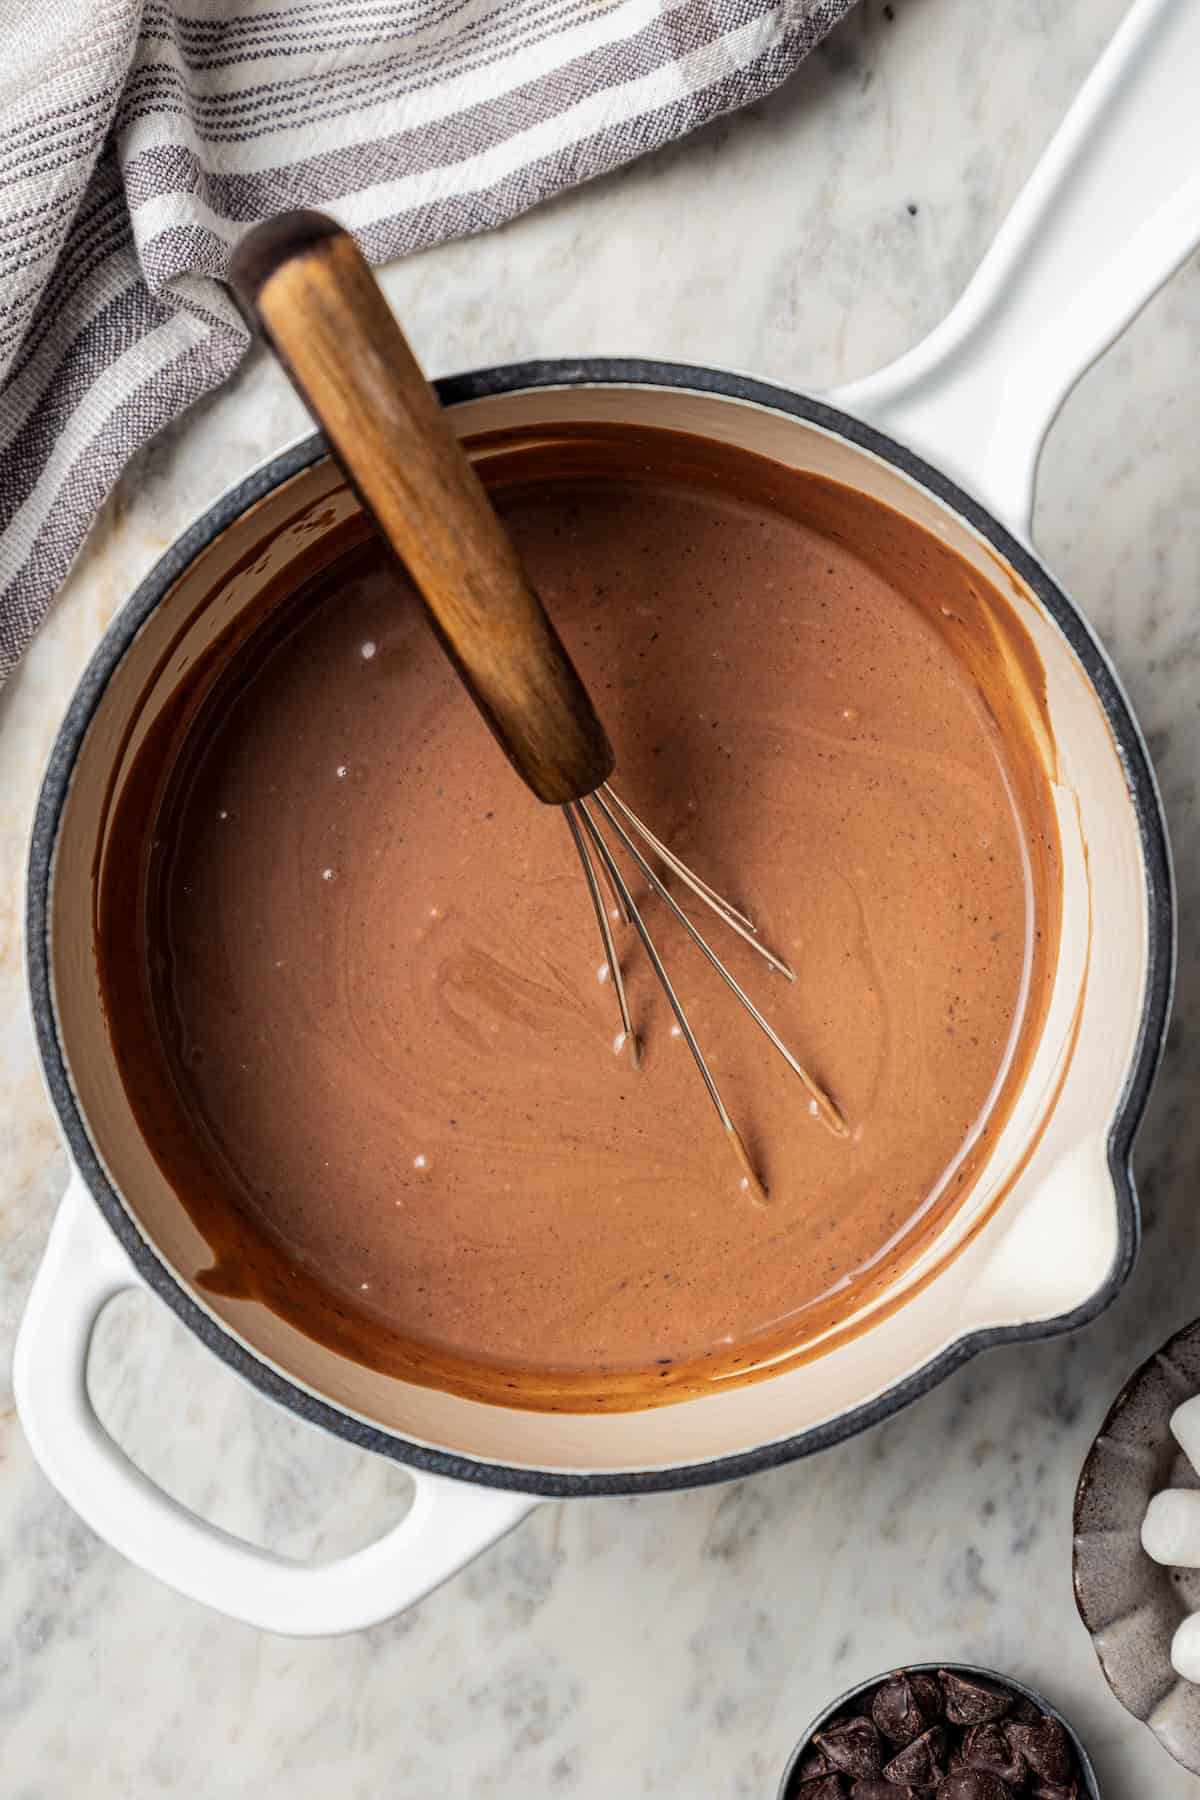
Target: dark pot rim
[[955, 1668], [1147, 1052]]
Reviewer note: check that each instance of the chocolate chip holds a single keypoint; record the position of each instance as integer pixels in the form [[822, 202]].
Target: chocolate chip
[[971, 1701], [922, 1762], [853, 1746], [927, 1690], [987, 1748], [825, 1787], [1045, 1747], [974, 1784], [991, 1744], [898, 1712]]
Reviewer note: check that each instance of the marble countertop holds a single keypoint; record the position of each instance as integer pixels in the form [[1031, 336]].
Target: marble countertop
[[674, 1645]]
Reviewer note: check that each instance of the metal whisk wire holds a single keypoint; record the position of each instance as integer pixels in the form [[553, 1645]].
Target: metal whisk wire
[[624, 824]]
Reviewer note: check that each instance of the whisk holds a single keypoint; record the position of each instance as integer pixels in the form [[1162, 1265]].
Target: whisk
[[304, 282]]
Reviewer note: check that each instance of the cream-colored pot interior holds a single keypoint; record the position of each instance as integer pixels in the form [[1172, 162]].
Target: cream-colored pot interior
[[1045, 1249]]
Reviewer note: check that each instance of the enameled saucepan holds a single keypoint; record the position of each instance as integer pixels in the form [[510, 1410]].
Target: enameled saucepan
[[948, 436]]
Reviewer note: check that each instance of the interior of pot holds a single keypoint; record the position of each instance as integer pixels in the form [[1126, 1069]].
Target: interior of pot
[[1037, 1235]]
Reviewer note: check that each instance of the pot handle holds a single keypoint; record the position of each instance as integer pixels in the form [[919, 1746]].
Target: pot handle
[[447, 1524], [1111, 211]]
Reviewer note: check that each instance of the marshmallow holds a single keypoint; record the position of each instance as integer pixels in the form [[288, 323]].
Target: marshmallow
[[1171, 1533], [1171, 1528], [1185, 1649], [1185, 1429]]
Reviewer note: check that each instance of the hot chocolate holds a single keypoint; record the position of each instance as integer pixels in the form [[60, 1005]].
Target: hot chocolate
[[371, 1039]]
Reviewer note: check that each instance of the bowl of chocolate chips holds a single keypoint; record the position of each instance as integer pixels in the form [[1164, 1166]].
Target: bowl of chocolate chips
[[940, 1732]]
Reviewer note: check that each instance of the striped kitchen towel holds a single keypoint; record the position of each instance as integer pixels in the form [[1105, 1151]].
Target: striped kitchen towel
[[141, 137]]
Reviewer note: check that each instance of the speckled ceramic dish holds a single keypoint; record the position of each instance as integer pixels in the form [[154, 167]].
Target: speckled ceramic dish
[[1129, 1603], [1091, 1787]]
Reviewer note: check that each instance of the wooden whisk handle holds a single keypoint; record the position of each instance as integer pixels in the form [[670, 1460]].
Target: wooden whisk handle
[[302, 278]]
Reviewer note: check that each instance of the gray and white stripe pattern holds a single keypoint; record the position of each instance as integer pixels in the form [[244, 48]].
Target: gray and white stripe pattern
[[140, 140]]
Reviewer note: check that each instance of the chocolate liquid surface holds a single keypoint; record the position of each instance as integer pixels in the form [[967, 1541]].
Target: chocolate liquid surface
[[385, 1074]]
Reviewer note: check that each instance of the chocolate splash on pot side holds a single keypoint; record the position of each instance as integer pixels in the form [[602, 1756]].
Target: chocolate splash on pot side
[[351, 971]]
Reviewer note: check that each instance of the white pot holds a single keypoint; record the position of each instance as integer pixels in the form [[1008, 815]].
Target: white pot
[[1050, 1230]]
